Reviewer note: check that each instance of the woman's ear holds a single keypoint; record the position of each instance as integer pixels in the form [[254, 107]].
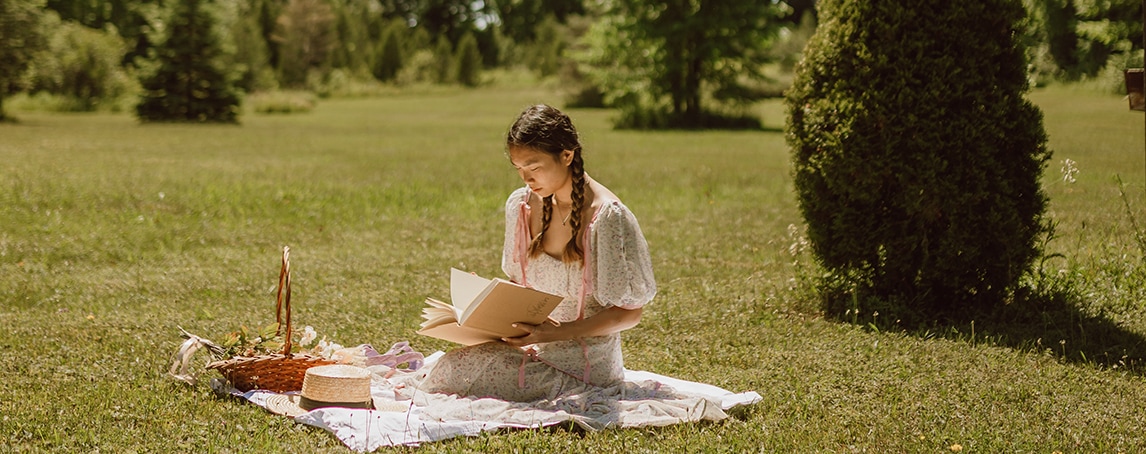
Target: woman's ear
[[566, 157]]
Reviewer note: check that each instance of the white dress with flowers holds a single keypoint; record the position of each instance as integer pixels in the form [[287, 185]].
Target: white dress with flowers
[[618, 273]]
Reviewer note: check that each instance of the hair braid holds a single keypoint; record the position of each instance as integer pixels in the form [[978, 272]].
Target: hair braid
[[535, 248], [573, 250]]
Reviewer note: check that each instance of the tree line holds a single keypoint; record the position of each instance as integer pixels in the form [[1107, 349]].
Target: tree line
[[663, 63]]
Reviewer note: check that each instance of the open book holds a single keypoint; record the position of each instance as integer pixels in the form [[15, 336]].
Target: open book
[[484, 310]]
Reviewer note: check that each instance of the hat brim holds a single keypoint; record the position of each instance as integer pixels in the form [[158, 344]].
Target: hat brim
[[286, 405], [294, 405]]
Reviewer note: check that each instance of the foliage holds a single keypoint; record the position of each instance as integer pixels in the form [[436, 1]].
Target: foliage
[[247, 342], [793, 38], [130, 19], [189, 82], [390, 58], [444, 61], [917, 158], [578, 88], [468, 61], [355, 30], [1080, 39], [251, 58], [545, 53], [450, 18], [524, 20], [306, 36], [81, 64], [20, 38], [686, 53]]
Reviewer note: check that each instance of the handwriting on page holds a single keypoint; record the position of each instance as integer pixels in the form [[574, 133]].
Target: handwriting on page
[[535, 309]]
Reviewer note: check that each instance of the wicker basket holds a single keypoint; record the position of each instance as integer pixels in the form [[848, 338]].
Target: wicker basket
[[278, 372]]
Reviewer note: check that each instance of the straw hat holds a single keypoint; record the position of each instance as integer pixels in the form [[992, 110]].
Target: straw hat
[[336, 385]]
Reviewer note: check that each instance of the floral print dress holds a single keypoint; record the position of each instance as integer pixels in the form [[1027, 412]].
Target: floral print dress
[[618, 273]]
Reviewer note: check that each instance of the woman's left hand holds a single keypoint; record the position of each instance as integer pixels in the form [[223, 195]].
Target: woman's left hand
[[535, 334]]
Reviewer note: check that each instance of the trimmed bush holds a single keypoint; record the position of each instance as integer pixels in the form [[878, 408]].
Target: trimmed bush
[[917, 157]]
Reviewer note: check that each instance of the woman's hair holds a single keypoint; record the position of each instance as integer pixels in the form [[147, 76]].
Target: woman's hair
[[546, 129]]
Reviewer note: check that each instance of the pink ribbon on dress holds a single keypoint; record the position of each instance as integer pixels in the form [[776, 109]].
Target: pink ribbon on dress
[[522, 241]]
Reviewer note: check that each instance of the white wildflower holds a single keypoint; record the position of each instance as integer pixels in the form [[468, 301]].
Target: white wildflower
[[308, 336], [326, 348], [1069, 170], [799, 243]]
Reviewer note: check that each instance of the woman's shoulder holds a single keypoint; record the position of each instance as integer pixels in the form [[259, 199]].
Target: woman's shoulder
[[605, 202], [611, 211]]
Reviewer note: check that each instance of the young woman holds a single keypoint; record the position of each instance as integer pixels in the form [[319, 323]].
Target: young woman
[[566, 234]]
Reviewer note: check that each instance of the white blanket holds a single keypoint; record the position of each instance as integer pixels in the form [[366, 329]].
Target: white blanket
[[405, 418]]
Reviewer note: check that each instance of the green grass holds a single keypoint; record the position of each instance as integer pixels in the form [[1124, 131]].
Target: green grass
[[114, 234]]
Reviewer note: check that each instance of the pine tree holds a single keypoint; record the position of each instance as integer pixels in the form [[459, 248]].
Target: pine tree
[[189, 82], [443, 61], [468, 61], [389, 60]]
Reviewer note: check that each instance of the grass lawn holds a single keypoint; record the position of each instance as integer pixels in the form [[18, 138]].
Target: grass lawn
[[114, 234]]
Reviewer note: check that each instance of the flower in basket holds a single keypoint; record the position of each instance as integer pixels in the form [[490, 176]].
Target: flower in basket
[[246, 342]]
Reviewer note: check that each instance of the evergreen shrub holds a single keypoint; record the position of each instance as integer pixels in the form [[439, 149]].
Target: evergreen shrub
[[389, 61], [917, 158], [189, 82], [469, 61]]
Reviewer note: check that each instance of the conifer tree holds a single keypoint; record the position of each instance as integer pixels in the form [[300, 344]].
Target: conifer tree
[[443, 61], [389, 60], [917, 156], [468, 61], [189, 82]]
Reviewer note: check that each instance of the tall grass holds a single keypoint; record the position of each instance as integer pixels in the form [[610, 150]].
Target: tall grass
[[113, 235]]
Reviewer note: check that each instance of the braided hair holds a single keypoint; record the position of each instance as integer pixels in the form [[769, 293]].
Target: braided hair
[[546, 129]]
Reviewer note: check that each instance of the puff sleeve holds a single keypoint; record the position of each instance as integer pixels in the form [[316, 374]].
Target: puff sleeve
[[516, 235], [620, 256]]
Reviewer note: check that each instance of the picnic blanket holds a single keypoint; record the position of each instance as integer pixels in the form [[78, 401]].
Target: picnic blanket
[[403, 416]]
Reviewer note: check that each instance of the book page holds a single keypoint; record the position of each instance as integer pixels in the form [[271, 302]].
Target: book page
[[507, 303], [456, 333], [465, 288], [483, 310], [437, 313]]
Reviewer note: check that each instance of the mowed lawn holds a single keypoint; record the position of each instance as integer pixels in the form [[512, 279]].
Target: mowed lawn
[[113, 235]]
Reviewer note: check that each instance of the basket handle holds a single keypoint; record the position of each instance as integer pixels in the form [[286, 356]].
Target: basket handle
[[284, 297]]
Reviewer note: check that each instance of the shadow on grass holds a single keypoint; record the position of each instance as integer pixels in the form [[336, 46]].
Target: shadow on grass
[[1050, 323]]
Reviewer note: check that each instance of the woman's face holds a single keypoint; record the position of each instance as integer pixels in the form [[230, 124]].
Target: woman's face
[[544, 173]]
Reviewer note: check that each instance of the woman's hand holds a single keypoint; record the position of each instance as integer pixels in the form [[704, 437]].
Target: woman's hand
[[611, 320], [535, 334]]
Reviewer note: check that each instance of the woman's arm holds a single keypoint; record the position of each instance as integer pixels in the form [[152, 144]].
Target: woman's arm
[[608, 321]]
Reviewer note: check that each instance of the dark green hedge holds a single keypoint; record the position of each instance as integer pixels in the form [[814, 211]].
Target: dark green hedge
[[917, 157]]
